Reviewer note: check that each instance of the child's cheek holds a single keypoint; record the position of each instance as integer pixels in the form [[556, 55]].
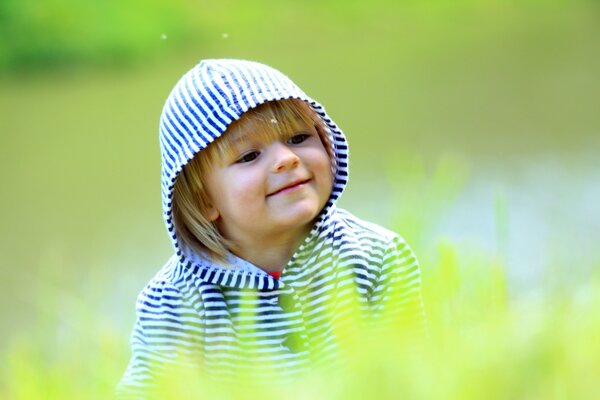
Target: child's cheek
[[246, 187]]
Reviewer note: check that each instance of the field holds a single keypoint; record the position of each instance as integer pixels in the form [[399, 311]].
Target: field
[[474, 132]]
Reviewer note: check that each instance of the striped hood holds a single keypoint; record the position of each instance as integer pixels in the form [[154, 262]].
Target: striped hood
[[201, 106]]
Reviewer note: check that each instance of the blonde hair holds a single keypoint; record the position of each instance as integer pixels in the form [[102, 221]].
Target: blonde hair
[[271, 121]]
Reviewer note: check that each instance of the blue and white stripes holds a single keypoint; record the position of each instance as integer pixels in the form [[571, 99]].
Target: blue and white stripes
[[230, 323]]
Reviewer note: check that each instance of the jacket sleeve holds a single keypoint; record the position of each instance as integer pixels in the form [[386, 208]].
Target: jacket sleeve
[[396, 298], [167, 337]]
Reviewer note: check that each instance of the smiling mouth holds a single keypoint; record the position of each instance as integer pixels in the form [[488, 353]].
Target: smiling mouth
[[290, 188]]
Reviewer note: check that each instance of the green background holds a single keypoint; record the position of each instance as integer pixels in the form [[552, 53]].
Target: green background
[[473, 127]]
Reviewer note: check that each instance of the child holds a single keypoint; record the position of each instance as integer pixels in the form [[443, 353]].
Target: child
[[266, 268]]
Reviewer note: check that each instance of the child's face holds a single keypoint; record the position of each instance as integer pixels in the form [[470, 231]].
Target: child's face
[[270, 188]]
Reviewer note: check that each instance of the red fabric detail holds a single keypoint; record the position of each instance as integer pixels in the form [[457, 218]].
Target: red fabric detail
[[275, 274]]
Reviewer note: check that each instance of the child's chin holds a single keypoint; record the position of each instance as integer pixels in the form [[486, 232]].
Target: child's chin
[[300, 216]]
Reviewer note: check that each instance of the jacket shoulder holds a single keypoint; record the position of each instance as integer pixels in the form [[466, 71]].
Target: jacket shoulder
[[373, 250], [364, 230], [173, 288]]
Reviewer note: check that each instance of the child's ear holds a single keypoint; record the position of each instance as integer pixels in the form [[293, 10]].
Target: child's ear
[[211, 213]]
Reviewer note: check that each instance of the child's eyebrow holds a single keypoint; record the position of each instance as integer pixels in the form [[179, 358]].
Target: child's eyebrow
[[237, 137]]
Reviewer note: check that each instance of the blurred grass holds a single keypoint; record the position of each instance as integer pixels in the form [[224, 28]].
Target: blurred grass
[[480, 345], [428, 93]]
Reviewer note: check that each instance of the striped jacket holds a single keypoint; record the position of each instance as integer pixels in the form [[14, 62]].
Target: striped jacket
[[226, 317]]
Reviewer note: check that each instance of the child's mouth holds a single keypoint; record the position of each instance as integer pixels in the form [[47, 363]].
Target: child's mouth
[[290, 188]]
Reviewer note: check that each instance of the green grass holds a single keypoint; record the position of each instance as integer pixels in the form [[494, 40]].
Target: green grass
[[480, 344]]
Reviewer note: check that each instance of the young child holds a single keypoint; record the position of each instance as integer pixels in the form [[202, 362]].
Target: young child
[[266, 269]]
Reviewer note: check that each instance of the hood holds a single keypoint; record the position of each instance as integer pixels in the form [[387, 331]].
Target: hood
[[205, 101]]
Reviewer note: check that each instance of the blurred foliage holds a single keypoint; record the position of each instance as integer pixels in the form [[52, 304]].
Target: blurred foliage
[[51, 33], [64, 33], [479, 344]]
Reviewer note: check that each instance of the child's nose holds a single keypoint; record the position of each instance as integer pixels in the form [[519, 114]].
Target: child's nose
[[284, 157]]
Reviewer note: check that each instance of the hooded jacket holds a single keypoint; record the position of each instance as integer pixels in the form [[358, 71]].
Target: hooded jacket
[[223, 317]]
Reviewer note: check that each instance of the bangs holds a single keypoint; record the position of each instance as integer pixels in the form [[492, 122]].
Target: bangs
[[276, 120]]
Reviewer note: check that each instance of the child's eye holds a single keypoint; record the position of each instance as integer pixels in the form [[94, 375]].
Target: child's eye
[[250, 156], [299, 138]]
